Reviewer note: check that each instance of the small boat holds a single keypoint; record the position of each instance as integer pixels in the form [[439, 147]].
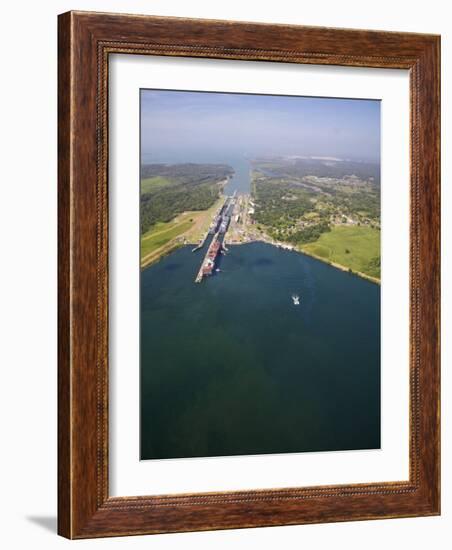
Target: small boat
[[296, 299]]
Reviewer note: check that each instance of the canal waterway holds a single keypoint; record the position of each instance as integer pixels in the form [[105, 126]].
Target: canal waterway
[[231, 366]]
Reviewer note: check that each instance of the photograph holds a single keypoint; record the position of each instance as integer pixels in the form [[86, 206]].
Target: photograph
[[259, 274], [229, 327]]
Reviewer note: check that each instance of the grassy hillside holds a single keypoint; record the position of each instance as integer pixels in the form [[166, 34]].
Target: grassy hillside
[[354, 247], [163, 237], [162, 233]]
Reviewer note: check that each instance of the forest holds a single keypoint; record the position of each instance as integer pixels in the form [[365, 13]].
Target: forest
[[280, 204], [325, 207], [309, 234], [169, 189], [325, 168], [292, 194]]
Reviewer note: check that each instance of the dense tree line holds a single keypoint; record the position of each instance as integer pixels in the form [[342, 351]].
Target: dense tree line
[[280, 204], [322, 168], [167, 202], [308, 234], [188, 173], [360, 201], [286, 194], [190, 187]]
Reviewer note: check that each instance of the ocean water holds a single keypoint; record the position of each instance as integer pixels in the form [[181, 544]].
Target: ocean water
[[231, 366]]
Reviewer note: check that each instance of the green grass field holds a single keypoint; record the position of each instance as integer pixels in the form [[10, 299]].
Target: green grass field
[[161, 234], [152, 184], [354, 247]]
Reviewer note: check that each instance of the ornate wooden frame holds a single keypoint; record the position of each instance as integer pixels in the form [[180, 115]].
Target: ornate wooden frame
[[85, 508]]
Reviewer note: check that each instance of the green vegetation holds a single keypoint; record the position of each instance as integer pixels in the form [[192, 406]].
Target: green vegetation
[[161, 234], [324, 168], [187, 172], [373, 267], [306, 191], [163, 205], [280, 205], [326, 207], [168, 190], [308, 234], [359, 203], [354, 247], [163, 237], [149, 185]]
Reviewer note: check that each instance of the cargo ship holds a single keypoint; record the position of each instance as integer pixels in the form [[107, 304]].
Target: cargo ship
[[213, 227], [211, 256], [208, 264], [218, 219], [224, 224]]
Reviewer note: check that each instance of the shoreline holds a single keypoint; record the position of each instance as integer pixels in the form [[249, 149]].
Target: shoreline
[[160, 254], [342, 267], [283, 246], [181, 240], [291, 248], [173, 245]]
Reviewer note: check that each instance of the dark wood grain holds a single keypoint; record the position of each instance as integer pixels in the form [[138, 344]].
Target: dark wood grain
[[64, 295], [85, 42]]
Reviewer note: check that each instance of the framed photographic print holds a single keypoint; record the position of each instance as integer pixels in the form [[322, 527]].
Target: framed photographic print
[[248, 275]]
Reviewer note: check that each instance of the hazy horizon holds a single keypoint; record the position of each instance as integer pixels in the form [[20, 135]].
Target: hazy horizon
[[213, 124]]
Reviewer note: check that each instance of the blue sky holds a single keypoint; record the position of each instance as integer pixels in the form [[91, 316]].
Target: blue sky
[[203, 124]]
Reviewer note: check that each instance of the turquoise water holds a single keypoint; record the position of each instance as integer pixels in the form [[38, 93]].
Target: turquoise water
[[231, 366]]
